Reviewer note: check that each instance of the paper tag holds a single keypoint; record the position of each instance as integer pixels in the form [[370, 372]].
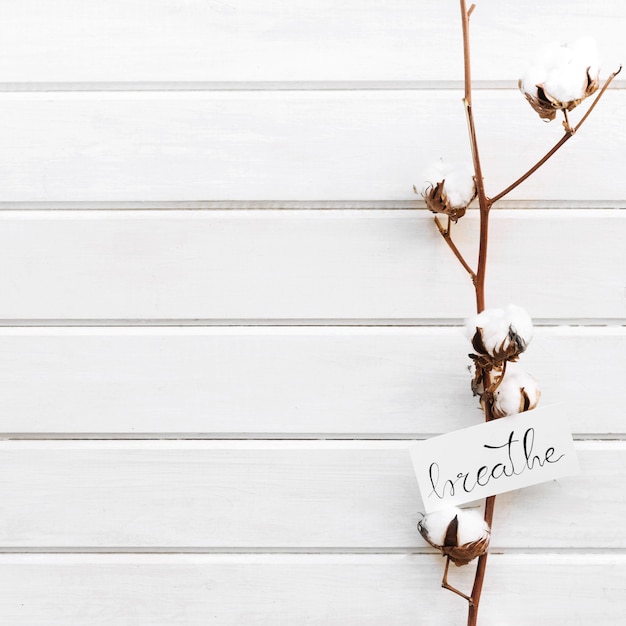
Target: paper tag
[[494, 457]]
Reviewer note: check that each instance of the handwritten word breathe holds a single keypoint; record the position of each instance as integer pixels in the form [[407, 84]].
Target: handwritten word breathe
[[521, 458]]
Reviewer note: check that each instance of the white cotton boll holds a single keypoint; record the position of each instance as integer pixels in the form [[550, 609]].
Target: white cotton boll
[[517, 392], [567, 81], [502, 334], [460, 534], [471, 525], [561, 76], [562, 70], [459, 187]]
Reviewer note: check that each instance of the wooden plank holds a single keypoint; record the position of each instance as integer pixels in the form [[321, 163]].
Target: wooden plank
[[272, 494], [192, 590], [323, 266], [303, 40], [293, 382], [291, 146]]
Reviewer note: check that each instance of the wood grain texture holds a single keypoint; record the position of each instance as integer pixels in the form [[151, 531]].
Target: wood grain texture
[[271, 494], [281, 265], [302, 40], [126, 590], [289, 382], [277, 146]]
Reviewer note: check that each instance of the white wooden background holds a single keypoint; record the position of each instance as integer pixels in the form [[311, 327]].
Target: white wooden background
[[225, 316]]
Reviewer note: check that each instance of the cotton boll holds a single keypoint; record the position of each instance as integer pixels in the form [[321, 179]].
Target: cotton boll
[[518, 392], [567, 80], [500, 334], [460, 534], [448, 188], [561, 76]]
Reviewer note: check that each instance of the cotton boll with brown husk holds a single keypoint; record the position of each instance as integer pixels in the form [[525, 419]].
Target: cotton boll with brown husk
[[561, 77], [460, 534], [500, 334], [517, 392], [448, 189]]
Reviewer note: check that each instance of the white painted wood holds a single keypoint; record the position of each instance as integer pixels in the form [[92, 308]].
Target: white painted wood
[[301, 40], [206, 103], [271, 494], [98, 590], [257, 265], [284, 381], [291, 146]]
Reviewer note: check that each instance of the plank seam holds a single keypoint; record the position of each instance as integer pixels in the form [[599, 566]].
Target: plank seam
[[260, 437], [292, 205], [262, 85], [298, 323], [281, 551]]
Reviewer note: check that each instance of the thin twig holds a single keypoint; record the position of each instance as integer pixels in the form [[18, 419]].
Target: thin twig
[[449, 587], [445, 233], [568, 134]]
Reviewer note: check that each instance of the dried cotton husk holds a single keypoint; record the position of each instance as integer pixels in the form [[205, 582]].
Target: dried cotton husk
[[460, 534]]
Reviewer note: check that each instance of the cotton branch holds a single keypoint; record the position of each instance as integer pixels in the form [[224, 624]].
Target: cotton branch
[[546, 104], [569, 132]]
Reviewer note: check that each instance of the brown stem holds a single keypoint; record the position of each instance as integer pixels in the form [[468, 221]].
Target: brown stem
[[569, 132], [483, 202], [445, 233], [479, 283], [479, 577]]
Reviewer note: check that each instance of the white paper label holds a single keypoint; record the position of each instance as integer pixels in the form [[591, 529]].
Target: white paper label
[[494, 457]]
